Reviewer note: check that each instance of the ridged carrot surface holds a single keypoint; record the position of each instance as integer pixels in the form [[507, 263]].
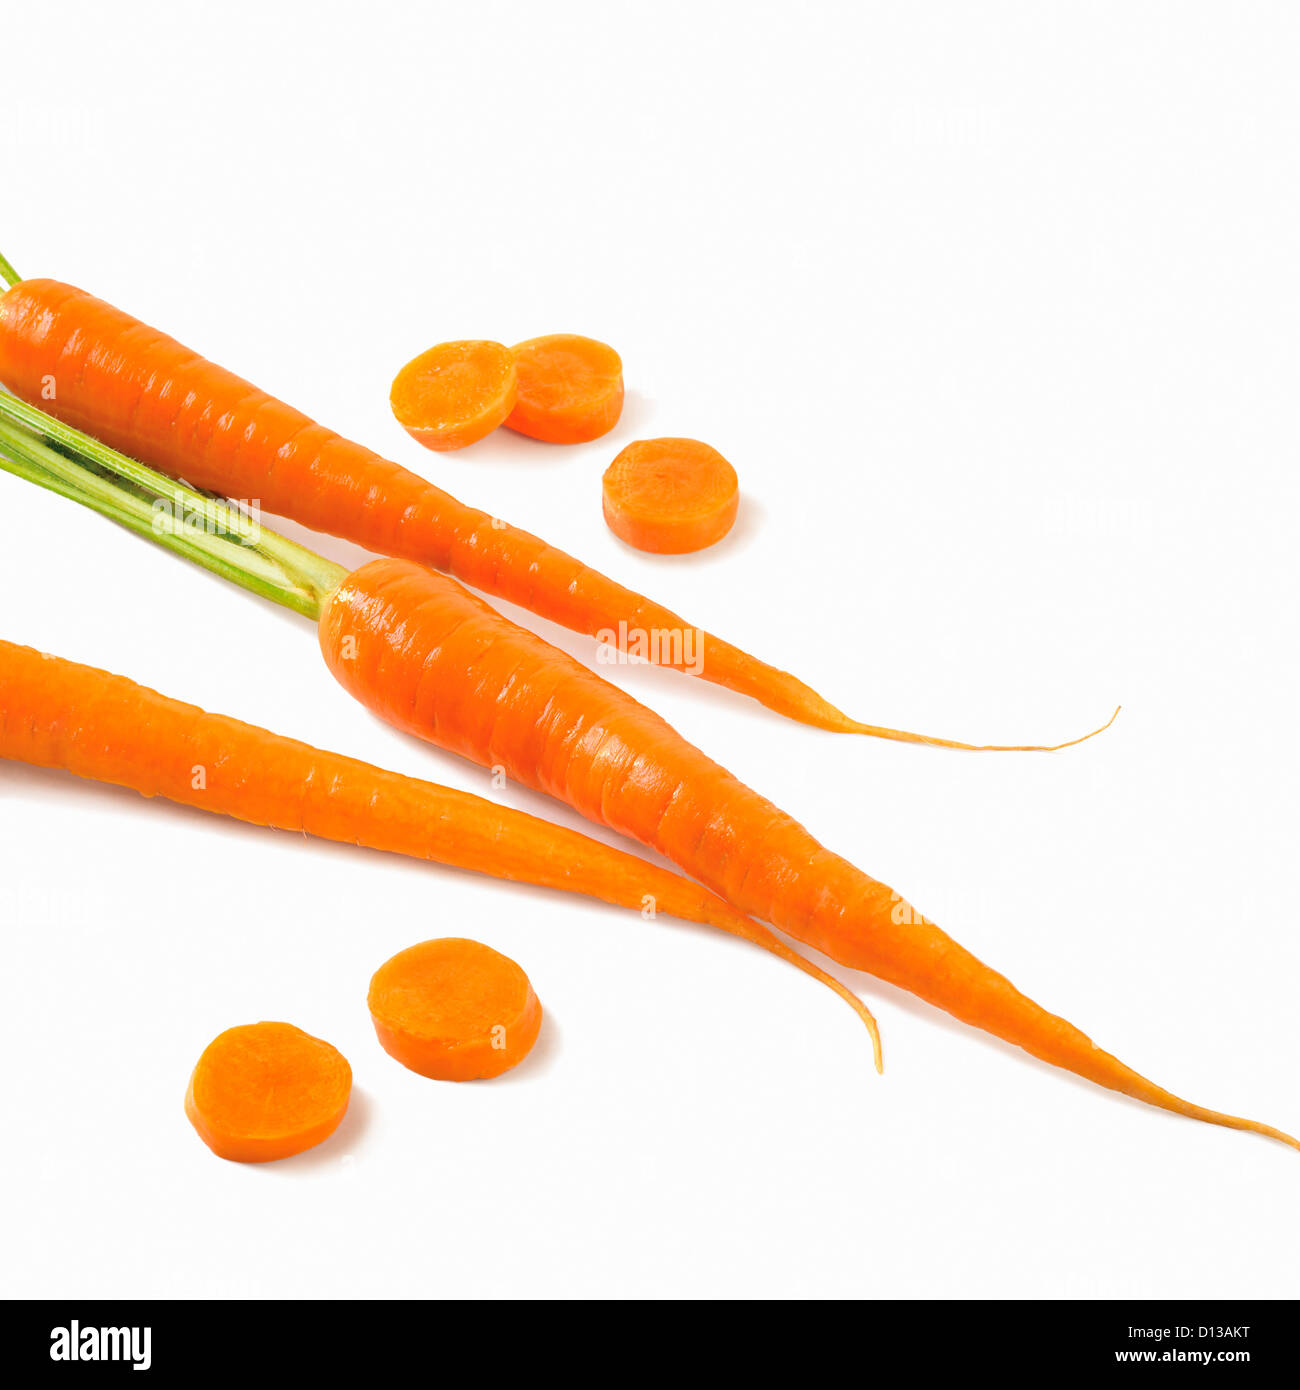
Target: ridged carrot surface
[[56, 713], [142, 392], [434, 660]]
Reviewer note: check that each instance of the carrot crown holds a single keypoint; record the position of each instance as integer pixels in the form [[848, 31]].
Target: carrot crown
[[202, 527]]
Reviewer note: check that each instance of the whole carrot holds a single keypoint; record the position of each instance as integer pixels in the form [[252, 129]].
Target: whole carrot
[[434, 660], [56, 713], [101, 370]]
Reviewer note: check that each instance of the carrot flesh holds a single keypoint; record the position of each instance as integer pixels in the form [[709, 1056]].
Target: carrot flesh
[[454, 1010], [455, 393], [570, 388], [670, 496], [60, 714], [264, 1091], [437, 662], [103, 371]]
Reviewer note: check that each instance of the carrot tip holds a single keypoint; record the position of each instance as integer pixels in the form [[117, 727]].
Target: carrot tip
[[864, 1013], [902, 736]]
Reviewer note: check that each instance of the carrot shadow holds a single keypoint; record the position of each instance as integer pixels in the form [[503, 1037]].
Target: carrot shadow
[[540, 1061]]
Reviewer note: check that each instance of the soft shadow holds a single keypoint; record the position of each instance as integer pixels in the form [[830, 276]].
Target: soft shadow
[[539, 1062], [341, 1145], [509, 447], [637, 410], [750, 519]]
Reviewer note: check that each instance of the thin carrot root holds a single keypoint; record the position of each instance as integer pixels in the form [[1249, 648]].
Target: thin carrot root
[[267, 1090], [901, 736], [455, 393], [739, 925], [1085, 1058], [454, 1010], [1217, 1117], [670, 496], [570, 389]]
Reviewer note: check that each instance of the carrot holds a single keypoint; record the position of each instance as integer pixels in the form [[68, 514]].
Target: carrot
[[454, 1010], [435, 661], [670, 496], [57, 714], [570, 389], [267, 1090], [455, 393], [139, 391]]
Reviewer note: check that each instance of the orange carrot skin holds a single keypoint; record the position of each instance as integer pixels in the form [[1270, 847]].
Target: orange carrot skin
[[155, 400], [56, 713], [432, 659]]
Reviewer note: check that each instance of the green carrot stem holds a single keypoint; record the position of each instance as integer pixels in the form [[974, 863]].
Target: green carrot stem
[[205, 529], [8, 273]]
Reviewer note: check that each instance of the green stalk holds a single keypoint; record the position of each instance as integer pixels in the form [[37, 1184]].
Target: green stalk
[[204, 529], [8, 273]]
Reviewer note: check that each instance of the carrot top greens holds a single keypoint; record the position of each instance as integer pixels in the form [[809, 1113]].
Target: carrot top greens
[[227, 539]]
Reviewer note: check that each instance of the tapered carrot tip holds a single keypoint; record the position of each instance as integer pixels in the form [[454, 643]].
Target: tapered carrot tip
[[455, 393], [267, 1090], [454, 1010], [570, 389], [670, 496]]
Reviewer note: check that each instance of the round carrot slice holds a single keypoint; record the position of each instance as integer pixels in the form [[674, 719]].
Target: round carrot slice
[[455, 393], [570, 388], [454, 1009], [670, 496], [267, 1090]]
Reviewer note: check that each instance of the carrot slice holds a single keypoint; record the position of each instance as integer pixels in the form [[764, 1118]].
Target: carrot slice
[[670, 496], [454, 1009], [570, 388], [455, 393], [267, 1090]]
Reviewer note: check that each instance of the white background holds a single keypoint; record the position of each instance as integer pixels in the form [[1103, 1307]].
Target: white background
[[994, 308]]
